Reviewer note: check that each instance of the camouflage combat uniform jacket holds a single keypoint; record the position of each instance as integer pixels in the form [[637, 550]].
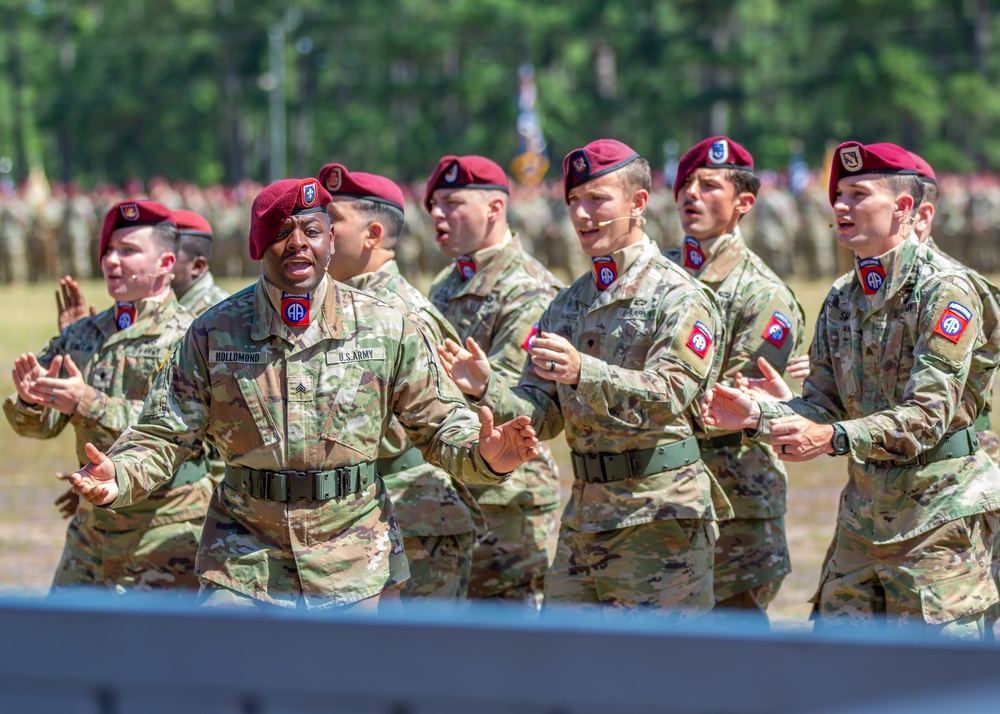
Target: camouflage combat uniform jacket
[[640, 381], [118, 367], [988, 352], [499, 307], [763, 319], [202, 295], [883, 366], [427, 501], [269, 399]]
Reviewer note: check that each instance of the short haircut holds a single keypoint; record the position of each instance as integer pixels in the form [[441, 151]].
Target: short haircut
[[390, 217], [194, 245], [932, 193], [899, 184], [165, 237], [744, 180], [636, 175]]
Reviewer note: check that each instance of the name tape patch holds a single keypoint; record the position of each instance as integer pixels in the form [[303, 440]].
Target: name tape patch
[[360, 355], [215, 356]]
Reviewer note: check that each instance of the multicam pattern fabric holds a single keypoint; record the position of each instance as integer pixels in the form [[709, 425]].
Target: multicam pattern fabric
[[881, 367], [667, 565], [202, 295], [763, 319], [941, 578], [640, 382], [440, 566], [751, 556], [987, 353], [498, 308], [268, 398], [118, 367]]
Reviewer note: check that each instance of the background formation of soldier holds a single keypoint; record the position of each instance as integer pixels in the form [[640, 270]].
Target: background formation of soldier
[[332, 437]]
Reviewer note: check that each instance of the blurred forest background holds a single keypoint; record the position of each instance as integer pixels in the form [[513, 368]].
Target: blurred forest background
[[217, 91]]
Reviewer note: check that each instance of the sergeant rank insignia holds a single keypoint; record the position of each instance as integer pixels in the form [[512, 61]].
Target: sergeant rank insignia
[[953, 321], [694, 258], [872, 274], [125, 315], [777, 329], [605, 270], [295, 309], [701, 338]]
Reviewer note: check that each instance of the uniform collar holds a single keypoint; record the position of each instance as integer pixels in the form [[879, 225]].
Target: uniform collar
[[198, 290], [145, 309], [896, 265], [371, 282], [629, 262], [325, 313], [490, 262], [722, 254]]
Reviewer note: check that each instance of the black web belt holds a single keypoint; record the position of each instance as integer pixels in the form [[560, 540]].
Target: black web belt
[[601, 468], [301, 485]]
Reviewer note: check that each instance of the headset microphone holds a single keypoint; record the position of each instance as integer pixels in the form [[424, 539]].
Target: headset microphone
[[144, 275], [640, 219]]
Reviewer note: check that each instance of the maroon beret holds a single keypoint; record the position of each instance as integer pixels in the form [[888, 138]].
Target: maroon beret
[[190, 223], [855, 158], [126, 214], [924, 170], [595, 159], [276, 203], [719, 152], [341, 182], [466, 172]]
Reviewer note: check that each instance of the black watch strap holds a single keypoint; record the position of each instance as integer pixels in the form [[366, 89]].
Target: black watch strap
[[840, 443]]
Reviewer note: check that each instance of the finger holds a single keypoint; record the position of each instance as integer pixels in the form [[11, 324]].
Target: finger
[[486, 419], [93, 311], [767, 369], [71, 367], [451, 346], [724, 391], [59, 304], [96, 456], [54, 367], [474, 349]]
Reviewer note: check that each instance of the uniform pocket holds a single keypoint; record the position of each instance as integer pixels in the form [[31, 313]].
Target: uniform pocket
[[355, 411], [233, 397], [954, 598]]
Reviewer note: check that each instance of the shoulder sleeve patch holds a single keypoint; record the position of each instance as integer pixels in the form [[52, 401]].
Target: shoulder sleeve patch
[[777, 330], [953, 321], [700, 339]]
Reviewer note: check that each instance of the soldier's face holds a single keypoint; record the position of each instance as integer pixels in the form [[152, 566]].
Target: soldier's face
[[605, 200], [298, 257], [864, 209], [134, 265], [709, 204], [461, 219], [349, 233]]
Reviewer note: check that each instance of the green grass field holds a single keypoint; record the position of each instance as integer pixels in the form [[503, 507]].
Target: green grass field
[[31, 531]]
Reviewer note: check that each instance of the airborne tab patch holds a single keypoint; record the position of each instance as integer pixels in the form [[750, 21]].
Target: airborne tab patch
[[953, 321], [777, 329], [700, 339]]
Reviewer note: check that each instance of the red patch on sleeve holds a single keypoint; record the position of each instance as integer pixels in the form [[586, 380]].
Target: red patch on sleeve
[[530, 339], [700, 339]]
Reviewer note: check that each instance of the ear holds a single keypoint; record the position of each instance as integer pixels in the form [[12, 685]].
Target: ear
[[640, 199], [903, 207], [199, 265], [495, 208], [374, 234], [744, 202], [166, 263], [925, 216]]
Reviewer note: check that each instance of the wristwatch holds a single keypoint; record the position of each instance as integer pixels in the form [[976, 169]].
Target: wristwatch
[[840, 443]]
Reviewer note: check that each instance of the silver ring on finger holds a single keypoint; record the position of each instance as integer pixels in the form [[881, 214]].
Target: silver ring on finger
[[552, 365], [52, 398]]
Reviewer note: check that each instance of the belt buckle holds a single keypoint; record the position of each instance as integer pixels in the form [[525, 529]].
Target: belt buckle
[[301, 486]]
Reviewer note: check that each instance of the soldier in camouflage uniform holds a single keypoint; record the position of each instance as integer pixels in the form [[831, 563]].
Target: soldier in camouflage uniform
[[890, 385], [622, 356], [988, 293], [193, 282], [437, 515], [294, 380], [95, 376], [715, 188], [495, 293]]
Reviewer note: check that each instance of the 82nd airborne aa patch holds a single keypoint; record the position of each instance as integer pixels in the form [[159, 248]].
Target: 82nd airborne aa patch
[[694, 258], [777, 329], [872, 274], [700, 339], [605, 270], [953, 322]]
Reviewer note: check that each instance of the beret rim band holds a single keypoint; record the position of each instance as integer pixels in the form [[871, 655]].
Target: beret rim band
[[883, 172], [602, 172], [480, 186], [202, 234], [305, 211], [366, 197]]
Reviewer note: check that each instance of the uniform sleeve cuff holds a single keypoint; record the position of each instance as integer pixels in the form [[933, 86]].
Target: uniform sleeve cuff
[[859, 437]]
